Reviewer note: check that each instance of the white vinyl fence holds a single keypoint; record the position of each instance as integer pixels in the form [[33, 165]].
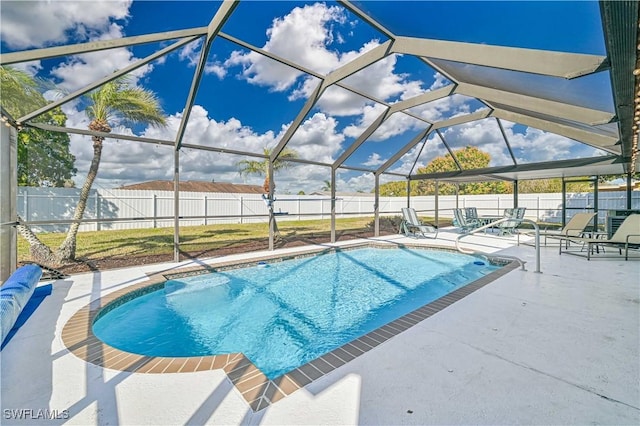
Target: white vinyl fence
[[128, 209]]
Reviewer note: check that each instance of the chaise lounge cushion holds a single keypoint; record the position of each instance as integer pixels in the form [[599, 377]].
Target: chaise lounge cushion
[[14, 295]]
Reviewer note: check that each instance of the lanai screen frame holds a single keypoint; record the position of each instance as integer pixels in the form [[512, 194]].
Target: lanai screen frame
[[620, 26]]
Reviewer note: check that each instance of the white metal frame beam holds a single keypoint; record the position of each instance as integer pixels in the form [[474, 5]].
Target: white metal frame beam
[[137, 64], [94, 46], [556, 64], [222, 14], [575, 113]]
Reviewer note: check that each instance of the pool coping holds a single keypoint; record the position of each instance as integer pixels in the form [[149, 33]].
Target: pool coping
[[256, 389]]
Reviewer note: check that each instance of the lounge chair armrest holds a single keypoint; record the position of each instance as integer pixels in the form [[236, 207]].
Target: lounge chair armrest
[[629, 236]]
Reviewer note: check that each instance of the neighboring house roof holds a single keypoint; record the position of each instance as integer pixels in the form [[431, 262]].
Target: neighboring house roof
[[197, 186]]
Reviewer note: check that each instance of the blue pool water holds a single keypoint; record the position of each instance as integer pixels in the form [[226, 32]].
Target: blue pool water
[[285, 314]]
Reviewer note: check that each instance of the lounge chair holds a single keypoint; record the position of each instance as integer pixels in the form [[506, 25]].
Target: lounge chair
[[471, 213], [576, 227], [627, 236], [508, 227], [412, 226], [462, 222]]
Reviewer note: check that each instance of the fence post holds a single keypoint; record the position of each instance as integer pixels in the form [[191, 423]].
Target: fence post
[[154, 210], [97, 211], [25, 213], [241, 209], [321, 209], [298, 207], [538, 208], [498, 204], [205, 211]]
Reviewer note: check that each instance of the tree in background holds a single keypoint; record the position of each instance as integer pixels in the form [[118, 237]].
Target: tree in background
[[469, 158], [261, 168], [21, 95], [398, 189], [473, 158], [44, 158], [609, 178]]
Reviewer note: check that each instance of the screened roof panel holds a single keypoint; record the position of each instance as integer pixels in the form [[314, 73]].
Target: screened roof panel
[[590, 91], [447, 108], [609, 130], [338, 119], [388, 80], [531, 145], [421, 155], [397, 130], [485, 135]]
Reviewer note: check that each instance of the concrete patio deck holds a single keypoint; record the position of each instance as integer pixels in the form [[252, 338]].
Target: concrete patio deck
[[561, 347]]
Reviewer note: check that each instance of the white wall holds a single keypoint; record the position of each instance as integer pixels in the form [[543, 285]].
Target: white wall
[[140, 207]]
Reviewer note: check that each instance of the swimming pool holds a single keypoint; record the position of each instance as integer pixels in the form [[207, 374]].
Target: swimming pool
[[284, 314]]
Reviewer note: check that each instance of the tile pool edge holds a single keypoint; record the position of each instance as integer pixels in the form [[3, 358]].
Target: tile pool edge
[[257, 390]]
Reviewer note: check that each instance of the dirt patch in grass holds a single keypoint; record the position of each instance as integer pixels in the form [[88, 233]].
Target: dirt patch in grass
[[115, 262]]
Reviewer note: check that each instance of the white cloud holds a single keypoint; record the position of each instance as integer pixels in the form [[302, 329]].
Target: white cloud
[[80, 70], [318, 139], [369, 114], [395, 125], [439, 81], [433, 148], [482, 134], [31, 68], [25, 24], [379, 78], [364, 182], [374, 160], [536, 145], [341, 102], [301, 36], [443, 108], [191, 54]]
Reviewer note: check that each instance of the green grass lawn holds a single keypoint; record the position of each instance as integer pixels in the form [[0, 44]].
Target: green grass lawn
[[152, 241]]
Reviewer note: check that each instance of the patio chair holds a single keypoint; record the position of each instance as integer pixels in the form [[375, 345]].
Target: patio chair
[[471, 213], [412, 226], [627, 236], [508, 227], [576, 227], [462, 222]]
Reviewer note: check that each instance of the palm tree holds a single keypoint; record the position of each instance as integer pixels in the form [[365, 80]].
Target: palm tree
[[21, 95], [115, 101], [327, 185], [254, 167]]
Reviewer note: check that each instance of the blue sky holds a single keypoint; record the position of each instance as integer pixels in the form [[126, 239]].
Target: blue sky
[[246, 101]]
